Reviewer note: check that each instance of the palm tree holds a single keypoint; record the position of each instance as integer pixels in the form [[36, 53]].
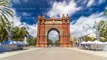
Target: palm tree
[[5, 13], [19, 33]]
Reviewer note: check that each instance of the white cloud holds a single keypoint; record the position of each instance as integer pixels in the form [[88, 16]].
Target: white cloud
[[90, 3], [106, 8], [77, 28], [101, 1], [53, 35], [60, 8], [16, 21], [32, 29], [16, 1], [93, 2], [26, 14]]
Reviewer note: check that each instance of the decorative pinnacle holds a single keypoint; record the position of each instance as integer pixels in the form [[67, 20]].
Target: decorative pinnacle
[[43, 17], [39, 17], [63, 16], [68, 16]]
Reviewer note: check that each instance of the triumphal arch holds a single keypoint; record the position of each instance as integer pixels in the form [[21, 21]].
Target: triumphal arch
[[61, 25]]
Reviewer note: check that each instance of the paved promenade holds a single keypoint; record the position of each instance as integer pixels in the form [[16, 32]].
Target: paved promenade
[[52, 54]]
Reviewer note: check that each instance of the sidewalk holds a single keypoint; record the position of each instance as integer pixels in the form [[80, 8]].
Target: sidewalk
[[97, 53], [7, 54]]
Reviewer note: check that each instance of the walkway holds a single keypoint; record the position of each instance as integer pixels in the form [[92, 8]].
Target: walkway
[[53, 54]]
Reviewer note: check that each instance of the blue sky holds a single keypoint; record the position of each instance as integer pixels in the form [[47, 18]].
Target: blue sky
[[28, 10], [81, 12]]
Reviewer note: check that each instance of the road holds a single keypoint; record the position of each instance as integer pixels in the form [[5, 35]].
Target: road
[[54, 54]]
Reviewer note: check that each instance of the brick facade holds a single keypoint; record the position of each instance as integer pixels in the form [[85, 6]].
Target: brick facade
[[61, 25]]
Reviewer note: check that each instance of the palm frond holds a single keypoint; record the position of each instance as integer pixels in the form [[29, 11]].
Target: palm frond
[[4, 3]]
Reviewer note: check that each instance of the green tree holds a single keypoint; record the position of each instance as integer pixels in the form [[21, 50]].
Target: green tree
[[32, 41], [50, 42], [56, 43], [74, 40], [5, 24], [87, 38], [102, 28], [19, 33]]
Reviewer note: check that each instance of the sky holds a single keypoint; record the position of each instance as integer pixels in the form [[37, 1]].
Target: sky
[[82, 13]]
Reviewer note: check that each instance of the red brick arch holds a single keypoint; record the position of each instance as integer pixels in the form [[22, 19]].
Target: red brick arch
[[61, 25]]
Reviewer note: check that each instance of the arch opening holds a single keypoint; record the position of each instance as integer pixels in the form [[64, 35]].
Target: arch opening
[[53, 38]]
